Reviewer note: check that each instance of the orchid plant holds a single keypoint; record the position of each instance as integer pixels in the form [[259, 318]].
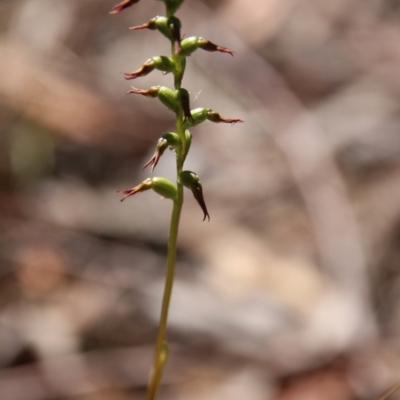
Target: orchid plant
[[177, 100]]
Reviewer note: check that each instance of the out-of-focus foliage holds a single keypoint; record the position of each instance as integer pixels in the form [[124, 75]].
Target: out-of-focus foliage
[[290, 292]]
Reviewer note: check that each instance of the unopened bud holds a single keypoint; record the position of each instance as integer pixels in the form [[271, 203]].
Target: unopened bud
[[190, 180], [161, 186], [121, 6], [191, 44], [161, 63]]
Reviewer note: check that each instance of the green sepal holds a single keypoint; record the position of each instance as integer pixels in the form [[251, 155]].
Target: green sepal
[[168, 97], [165, 188], [199, 115], [163, 63], [161, 24], [172, 139], [188, 178], [189, 45]]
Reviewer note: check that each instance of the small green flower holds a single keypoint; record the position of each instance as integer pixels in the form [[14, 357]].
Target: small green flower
[[199, 115], [167, 96], [170, 140], [169, 27], [162, 63], [161, 186], [191, 44], [190, 180]]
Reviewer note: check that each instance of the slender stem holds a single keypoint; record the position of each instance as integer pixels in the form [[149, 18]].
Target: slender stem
[[161, 352]]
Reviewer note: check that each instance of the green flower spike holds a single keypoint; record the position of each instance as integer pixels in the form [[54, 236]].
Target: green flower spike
[[161, 63], [176, 99], [191, 44], [121, 6], [190, 180], [161, 186], [170, 140]]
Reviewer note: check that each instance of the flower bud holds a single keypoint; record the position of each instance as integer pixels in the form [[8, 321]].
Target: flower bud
[[191, 44], [161, 63], [170, 140], [121, 6], [190, 180], [161, 186], [166, 95]]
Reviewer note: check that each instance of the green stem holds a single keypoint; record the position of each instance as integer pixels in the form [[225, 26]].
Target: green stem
[[161, 352]]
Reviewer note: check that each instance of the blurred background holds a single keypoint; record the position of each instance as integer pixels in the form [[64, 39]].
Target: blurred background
[[291, 292]]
